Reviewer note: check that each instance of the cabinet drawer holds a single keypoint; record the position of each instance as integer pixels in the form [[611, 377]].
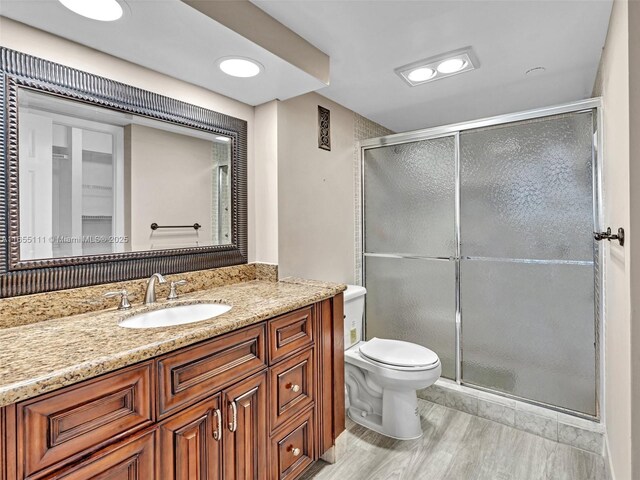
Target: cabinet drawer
[[292, 387], [77, 420], [130, 459], [289, 333], [197, 372], [292, 449]]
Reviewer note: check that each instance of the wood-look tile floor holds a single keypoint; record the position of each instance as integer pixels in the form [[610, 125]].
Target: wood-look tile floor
[[457, 446]]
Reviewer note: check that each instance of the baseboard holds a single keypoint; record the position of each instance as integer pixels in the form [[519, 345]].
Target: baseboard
[[560, 427], [607, 460]]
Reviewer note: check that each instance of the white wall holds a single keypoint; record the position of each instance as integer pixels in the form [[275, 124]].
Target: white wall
[[23, 38], [613, 85], [634, 244]]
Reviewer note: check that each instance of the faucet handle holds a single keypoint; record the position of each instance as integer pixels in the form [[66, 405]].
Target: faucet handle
[[172, 293], [124, 298]]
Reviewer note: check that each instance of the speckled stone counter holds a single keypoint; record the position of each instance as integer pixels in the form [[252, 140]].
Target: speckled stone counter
[[44, 356], [26, 309]]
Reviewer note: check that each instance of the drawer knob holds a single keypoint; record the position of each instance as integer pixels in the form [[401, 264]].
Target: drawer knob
[[295, 388], [295, 451]]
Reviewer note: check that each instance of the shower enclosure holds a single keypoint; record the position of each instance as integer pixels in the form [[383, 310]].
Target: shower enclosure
[[478, 244]]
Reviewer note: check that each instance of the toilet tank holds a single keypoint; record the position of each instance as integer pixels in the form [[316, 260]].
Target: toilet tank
[[353, 314]]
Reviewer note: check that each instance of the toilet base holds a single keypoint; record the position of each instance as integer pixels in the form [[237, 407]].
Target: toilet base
[[400, 418]]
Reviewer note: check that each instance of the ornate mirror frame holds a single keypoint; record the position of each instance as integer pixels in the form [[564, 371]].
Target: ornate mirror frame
[[17, 277]]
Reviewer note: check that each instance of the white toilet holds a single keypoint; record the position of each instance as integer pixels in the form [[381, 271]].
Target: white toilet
[[382, 376]]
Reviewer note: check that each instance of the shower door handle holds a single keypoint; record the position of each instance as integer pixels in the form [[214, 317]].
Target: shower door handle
[[599, 236]]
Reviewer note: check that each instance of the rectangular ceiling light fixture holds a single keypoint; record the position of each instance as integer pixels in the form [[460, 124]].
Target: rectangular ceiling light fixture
[[441, 66]]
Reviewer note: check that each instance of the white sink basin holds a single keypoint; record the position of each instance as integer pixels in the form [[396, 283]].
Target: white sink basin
[[178, 315]]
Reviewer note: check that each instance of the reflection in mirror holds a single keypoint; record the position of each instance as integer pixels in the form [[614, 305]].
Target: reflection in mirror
[[93, 181]]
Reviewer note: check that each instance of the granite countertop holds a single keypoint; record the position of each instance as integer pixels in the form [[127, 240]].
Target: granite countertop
[[45, 356]]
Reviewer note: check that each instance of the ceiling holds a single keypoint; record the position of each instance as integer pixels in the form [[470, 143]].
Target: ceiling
[[367, 40], [173, 38]]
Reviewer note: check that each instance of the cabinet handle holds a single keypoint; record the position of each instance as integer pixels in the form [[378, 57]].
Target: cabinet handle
[[294, 387], [295, 451], [217, 431], [233, 424]]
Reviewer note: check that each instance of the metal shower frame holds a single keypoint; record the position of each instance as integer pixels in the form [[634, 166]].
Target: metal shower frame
[[454, 130]]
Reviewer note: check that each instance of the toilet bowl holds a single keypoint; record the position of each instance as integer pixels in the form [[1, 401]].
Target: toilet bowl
[[382, 376]]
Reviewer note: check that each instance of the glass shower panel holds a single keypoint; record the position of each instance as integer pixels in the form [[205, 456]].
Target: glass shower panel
[[527, 189], [413, 300], [528, 330], [409, 222], [409, 198], [527, 260]]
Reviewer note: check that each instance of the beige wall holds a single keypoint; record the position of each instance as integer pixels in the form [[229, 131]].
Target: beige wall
[[312, 193], [634, 244], [23, 38], [613, 85], [315, 192], [266, 173], [170, 183]]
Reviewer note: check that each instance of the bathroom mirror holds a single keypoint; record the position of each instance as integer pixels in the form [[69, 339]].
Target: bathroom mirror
[[106, 182], [98, 181]]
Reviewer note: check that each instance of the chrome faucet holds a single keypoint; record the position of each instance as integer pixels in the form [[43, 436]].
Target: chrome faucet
[[150, 295]]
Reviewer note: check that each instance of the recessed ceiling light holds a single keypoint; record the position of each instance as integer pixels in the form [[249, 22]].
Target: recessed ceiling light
[[103, 10], [452, 65], [441, 66], [240, 67], [421, 74]]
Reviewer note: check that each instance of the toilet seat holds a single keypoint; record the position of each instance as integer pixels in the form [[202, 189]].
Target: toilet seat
[[399, 355]]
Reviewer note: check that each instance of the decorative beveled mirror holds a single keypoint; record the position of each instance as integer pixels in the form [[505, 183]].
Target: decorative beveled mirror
[[106, 182]]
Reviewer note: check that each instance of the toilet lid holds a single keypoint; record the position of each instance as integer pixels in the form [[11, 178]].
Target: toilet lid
[[398, 353]]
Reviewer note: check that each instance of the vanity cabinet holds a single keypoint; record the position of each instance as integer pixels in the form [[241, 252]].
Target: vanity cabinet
[[221, 437], [255, 403], [191, 442], [245, 435]]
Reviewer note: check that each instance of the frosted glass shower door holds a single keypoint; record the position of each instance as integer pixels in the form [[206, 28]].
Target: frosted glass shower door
[[527, 260], [410, 244]]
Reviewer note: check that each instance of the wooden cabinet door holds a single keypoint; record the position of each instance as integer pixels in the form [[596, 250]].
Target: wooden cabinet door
[[190, 446], [245, 432], [133, 458]]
